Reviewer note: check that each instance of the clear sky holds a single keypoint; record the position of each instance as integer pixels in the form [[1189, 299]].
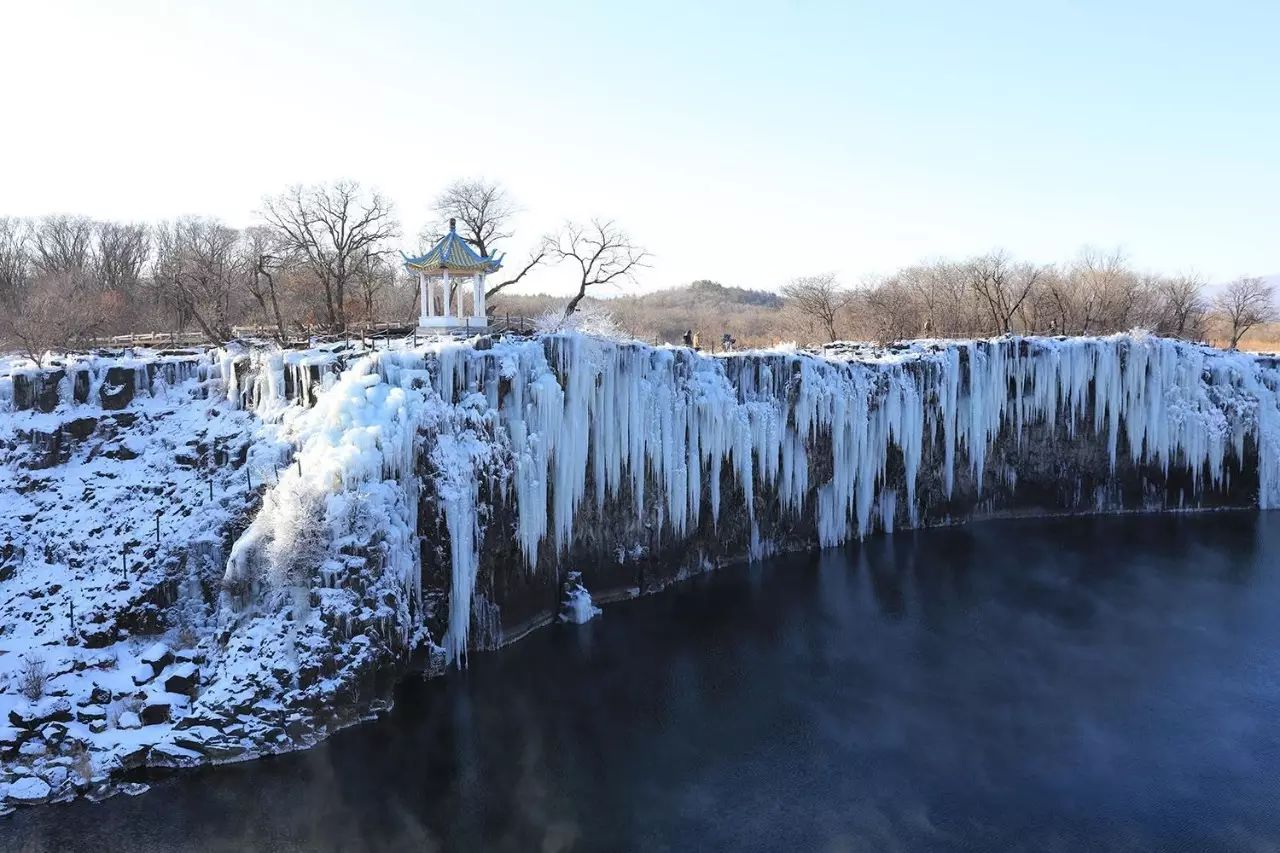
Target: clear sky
[[738, 141]]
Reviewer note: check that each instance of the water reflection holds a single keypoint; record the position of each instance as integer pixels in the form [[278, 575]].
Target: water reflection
[[1071, 684]]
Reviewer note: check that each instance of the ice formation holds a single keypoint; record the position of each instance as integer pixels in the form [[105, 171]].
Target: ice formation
[[559, 420], [347, 507], [577, 606]]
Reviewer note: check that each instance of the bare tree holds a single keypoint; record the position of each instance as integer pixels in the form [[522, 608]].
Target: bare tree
[[1243, 304], [819, 298], [602, 251], [118, 255], [332, 229], [374, 279], [483, 210], [1002, 285], [49, 315], [15, 260], [198, 265], [1106, 290], [263, 257], [63, 244], [1184, 307]]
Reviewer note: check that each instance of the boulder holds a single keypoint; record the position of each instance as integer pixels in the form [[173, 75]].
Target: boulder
[[29, 791], [9, 738], [117, 390], [80, 428], [53, 733], [56, 776], [99, 695], [134, 758], [33, 749], [223, 747], [172, 755], [128, 720], [155, 711], [198, 737], [182, 678], [98, 726], [34, 715], [157, 656], [89, 713], [143, 674], [296, 727], [80, 385]]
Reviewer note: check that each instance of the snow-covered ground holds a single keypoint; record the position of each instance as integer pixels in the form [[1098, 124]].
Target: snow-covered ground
[[286, 571]]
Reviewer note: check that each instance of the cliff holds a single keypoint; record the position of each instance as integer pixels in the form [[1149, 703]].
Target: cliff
[[416, 504]]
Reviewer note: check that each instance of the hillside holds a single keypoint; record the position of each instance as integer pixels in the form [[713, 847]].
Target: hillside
[[708, 308]]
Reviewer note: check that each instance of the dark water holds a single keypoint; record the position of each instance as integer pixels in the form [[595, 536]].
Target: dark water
[[1070, 685]]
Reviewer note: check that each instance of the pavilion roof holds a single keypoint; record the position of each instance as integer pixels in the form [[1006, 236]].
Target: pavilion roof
[[453, 253]]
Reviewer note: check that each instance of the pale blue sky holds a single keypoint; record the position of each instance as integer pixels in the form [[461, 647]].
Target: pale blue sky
[[742, 142]]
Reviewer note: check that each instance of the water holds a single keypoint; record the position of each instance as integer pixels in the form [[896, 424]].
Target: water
[[1105, 683]]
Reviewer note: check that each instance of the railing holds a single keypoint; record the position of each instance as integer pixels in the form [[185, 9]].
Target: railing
[[508, 325], [505, 324]]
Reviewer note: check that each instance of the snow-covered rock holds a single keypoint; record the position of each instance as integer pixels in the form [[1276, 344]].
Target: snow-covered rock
[[32, 715], [181, 678], [577, 606], [157, 656], [29, 791]]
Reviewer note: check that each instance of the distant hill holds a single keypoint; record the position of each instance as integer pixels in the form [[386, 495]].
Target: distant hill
[[708, 308], [702, 294]]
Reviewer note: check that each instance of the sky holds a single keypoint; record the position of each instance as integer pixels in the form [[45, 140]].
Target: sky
[[743, 142]]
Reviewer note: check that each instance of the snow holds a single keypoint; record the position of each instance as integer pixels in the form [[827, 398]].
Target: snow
[[308, 528], [574, 418], [577, 606], [29, 789]]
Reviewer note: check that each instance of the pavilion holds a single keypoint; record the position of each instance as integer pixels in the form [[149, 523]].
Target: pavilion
[[451, 258]]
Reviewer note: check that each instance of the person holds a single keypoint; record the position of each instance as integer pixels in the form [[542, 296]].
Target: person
[[688, 338], [728, 342]]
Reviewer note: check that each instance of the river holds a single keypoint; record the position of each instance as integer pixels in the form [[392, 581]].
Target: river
[[1065, 684]]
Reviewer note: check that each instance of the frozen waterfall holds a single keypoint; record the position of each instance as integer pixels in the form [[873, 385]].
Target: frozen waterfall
[[550, 423]]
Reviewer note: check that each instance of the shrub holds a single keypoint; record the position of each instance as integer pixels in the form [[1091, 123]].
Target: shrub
[[32, 677]]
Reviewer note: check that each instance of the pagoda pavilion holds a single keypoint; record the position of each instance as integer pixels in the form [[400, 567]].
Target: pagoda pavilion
[[449, 260]]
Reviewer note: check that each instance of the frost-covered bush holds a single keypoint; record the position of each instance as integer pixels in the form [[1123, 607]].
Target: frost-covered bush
[[588, 319], [32, 678], [301, 539]]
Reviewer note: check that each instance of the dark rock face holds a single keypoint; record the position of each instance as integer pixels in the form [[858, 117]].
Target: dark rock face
[[1028, 466], [182, 679], [37, 391], [154, 711], [118, 388]]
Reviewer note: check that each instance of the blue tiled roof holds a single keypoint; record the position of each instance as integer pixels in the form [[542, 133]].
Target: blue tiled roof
[[454, 254]]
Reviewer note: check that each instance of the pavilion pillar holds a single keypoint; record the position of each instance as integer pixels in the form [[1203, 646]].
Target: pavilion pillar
[[444, 284], [462, 305], [424, 298], [477, 296], [431, 295]]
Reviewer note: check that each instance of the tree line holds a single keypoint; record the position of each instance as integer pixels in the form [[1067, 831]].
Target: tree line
[[992, 294], [322, 258]]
